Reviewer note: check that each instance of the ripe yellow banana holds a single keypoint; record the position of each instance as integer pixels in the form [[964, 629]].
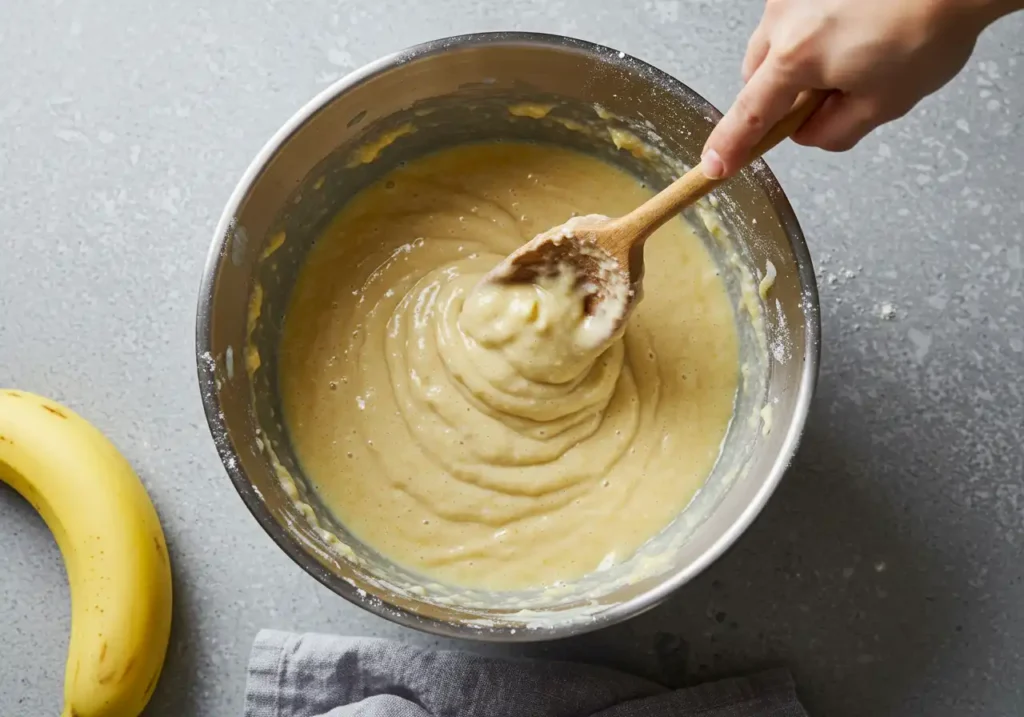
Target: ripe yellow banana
[[113, 548]]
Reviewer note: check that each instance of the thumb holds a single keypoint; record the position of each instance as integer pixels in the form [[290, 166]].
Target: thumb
[[762, 102]]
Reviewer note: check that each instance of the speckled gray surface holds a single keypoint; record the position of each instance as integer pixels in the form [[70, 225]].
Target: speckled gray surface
[[885, 572]]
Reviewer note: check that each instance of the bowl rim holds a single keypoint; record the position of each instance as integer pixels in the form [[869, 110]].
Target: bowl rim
[[653, 597]]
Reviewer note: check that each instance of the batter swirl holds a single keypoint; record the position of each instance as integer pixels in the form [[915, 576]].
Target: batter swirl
[[475, 433]]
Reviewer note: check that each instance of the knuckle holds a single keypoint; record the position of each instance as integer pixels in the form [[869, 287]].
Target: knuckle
[[792, 54], [880, 110], [795, 51], [845, 140], [838, 144]]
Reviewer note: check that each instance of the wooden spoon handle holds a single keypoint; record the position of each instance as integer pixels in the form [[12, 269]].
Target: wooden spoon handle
[[693, 185]]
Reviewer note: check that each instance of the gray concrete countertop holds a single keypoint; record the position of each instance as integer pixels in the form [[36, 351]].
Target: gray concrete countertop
[[886, 571]]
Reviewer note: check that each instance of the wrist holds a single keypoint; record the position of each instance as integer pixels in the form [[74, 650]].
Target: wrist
[[983, 12]]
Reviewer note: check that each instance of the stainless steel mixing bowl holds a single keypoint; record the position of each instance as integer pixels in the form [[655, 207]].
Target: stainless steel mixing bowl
[[458, 90]]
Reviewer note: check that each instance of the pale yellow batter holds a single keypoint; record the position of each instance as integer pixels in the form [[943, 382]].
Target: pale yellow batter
[[477, 435]]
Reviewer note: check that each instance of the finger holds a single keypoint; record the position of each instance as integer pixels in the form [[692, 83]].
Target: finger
[[757, 50], [760, 104], [841, 123]]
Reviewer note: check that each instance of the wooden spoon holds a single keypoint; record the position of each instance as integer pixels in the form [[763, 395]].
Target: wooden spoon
[[606, 255]]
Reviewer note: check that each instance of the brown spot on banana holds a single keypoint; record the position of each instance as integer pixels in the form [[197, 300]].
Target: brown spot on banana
[[105, 677], [55, 411]]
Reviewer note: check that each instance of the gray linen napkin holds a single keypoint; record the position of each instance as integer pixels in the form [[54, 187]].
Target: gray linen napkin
[[324, 676]]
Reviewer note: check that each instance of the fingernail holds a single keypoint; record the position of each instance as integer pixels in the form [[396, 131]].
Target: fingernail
[[711, 164]]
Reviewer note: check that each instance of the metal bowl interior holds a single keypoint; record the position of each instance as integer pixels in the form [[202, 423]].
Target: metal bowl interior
[[454, 91]]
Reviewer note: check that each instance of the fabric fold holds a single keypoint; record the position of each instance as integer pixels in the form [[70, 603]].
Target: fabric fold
[[311, 675]]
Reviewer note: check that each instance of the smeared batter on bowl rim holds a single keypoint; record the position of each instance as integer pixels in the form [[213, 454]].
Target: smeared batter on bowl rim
[[454, 432]]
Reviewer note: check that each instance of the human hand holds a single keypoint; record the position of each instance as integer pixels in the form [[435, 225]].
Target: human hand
[[880, 56]]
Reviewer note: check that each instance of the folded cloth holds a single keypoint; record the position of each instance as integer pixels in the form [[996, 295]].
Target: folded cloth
[[324, 676]]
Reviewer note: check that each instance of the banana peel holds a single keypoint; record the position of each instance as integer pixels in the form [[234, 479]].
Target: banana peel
[[113, 548]]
